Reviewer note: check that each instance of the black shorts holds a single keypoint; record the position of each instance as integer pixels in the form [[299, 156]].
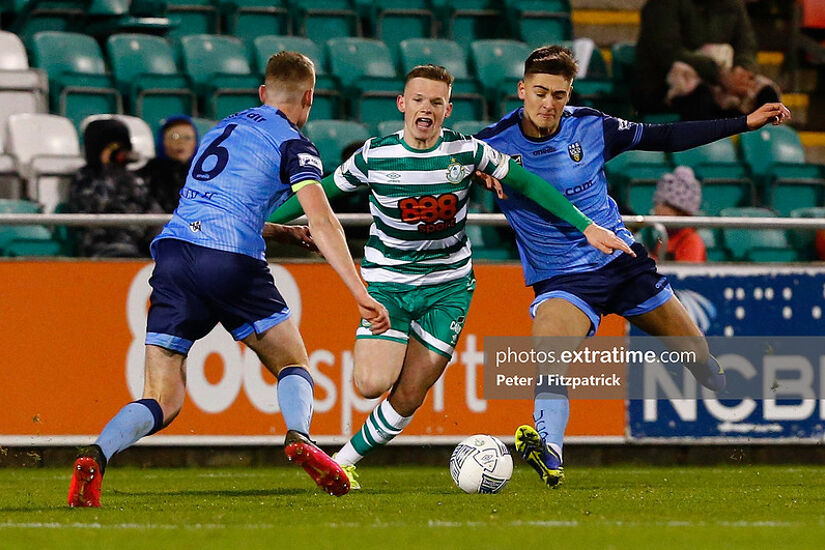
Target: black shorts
[[627, 286], [194, 288]]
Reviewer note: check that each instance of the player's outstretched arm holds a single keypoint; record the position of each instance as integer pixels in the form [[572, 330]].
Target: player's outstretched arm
[[329, 237], [297, 235], [292, 208], [546, 196]]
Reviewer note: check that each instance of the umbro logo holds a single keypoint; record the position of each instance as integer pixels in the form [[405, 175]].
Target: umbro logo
[[394, 176]]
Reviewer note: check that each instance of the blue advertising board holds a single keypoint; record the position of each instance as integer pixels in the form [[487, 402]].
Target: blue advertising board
[[744, 301]]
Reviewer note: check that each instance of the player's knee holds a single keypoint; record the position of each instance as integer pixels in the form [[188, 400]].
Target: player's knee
[[370, 386]]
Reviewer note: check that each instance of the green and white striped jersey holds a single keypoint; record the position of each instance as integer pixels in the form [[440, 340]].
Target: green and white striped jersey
[[418, 201]]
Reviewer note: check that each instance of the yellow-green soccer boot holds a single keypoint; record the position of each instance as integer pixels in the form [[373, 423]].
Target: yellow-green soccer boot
[[539, 455]]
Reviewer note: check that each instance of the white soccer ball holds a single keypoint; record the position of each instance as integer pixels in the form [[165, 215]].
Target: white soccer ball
[[481, 464]]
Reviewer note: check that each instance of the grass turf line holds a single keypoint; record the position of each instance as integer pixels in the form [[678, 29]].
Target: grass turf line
[[416, 507]]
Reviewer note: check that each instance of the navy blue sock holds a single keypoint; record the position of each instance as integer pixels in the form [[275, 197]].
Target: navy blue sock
[[134, 421], [295, 388]]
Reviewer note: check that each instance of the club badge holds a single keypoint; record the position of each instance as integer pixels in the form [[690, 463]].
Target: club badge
[[575, 150]]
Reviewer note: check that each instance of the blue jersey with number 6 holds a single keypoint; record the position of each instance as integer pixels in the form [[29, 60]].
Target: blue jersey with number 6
[[246, 166]]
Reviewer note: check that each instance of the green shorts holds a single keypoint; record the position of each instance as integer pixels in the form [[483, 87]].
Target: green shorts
[[434, 315]]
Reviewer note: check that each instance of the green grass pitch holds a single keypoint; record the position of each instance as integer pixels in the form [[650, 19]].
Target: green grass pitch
[[419, 507]]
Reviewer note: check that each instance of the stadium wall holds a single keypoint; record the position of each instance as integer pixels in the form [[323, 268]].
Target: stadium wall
[[72, 340]]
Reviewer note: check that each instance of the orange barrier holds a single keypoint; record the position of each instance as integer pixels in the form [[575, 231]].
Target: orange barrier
[[72, 355]]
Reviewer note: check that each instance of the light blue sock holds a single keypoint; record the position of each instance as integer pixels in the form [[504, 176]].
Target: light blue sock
[[295, 389], [550, 414], [135, 420]]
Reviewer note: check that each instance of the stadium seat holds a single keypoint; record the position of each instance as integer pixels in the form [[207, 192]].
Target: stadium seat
[[624, 64], [471, 20], [145, 71], [15, 73], [327, 102], [422, 51], [249, 19], [33, 16], [499, 66], [802, 239], [331, 137], [394, 21], [367, 74], [388, 127], [468, 127], [634, 175], [140, 135], [321, 20], [77, 75], [540, 22], [725, 182], [219, 68], [757, 245], [776, 157], [192, 17], [713, 245], [106, 17], [25, 240], [44, 145]]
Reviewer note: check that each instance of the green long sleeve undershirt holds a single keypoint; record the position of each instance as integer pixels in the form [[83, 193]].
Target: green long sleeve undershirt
[[528, 184]]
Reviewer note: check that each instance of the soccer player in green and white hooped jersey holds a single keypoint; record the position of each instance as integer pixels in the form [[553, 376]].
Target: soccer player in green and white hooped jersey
[[417, 260]]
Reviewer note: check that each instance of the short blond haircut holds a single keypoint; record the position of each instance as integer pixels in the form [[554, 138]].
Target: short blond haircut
[[289, 70]]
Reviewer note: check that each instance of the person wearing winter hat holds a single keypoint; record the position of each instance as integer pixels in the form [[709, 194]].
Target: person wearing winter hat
[[175, 146], [106, 186], [680, 194]]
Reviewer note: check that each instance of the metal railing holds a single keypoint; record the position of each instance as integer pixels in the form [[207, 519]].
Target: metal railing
[[633, 222]]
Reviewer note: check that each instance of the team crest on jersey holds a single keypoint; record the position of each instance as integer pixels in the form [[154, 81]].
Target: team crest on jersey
[[517, 160], [455, 172], [575, 150]]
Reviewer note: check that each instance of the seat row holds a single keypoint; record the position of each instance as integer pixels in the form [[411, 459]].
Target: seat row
[[218, 75], [772, 171], [535, 21]]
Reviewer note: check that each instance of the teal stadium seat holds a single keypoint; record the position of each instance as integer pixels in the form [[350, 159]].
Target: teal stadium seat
[[468, 99], [777, 159], [725, 181], [321, 20], [106, 17], [249, 19], [34, 16], [331, 137], [469, 127], [192, 17], [803, 240], [471, 20], [25, 240], [219, 67], [394, 21], [539, 22], [78, 80], [327, 102], [713, 245], [145, 72], [634, 175], [388, 127], [757, 245], [499, 65], [367, 74]]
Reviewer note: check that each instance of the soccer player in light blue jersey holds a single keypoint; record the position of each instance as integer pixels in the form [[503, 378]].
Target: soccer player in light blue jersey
[[573, 284], [210, 268]]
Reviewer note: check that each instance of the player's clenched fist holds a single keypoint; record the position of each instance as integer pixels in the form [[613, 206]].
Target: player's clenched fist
[[374, 313]]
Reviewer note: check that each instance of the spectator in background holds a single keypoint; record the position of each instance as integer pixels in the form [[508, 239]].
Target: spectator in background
[[106, 186], [680, 194], [175, 145], [698, 58]]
